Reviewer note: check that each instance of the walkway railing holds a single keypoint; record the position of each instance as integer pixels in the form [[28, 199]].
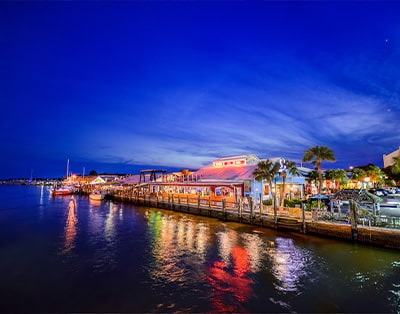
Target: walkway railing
[[199, 204]]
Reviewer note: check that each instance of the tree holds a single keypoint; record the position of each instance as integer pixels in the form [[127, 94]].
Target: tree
[[185, 173], [340, 178], [376, 175], [288, 167], [337, 176], [316, 155], [93, 173], [313, 176], [395, 169], [358, 174], [267, 170]]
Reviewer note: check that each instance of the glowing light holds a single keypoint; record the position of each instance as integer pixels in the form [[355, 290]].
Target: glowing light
[[70, 228]]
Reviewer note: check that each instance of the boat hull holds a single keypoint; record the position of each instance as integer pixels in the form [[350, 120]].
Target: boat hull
[[61, 192], [96, 196]]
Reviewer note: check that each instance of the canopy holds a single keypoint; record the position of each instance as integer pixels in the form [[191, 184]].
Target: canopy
[[359, 195]]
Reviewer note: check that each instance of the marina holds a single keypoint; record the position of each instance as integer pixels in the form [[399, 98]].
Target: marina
[[292, 219]]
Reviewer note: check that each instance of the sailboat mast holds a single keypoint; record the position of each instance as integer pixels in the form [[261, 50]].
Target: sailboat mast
[[67, 168]]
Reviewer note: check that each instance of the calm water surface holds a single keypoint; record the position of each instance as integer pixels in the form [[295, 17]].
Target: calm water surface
[[114, 257]]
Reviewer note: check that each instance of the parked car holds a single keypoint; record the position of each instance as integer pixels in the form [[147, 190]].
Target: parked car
[[394, 190], [379, 192], [391, 199], [389, 209]]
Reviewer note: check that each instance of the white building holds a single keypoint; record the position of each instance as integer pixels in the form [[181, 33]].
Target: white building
[[388, 159]]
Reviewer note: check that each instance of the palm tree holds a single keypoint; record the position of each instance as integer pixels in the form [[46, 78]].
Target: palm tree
[[330, 175], [313, 176], [358, 174], [267, 170], [337, 176], [375, 174], [340, 176], [317, 154], [288, 167]]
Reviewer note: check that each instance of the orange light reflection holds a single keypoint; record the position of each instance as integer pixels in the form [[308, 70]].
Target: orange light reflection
[[70, 227]]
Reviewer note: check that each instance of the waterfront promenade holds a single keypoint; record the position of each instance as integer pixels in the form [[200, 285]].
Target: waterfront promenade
[[290, 219]]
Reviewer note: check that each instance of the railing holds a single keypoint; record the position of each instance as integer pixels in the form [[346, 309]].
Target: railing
[[228, 205]]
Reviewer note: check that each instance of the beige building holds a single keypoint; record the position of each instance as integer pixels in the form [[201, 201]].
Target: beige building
[[388, 159]]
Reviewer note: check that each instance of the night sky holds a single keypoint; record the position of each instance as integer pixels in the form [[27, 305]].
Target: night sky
[[121, 86]]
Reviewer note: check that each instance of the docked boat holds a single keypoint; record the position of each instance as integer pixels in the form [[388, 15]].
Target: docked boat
[[61, 191], [96, 195]]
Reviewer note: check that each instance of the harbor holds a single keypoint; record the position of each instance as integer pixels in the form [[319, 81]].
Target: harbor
[[117, 256], [287, 219], [228, 189]]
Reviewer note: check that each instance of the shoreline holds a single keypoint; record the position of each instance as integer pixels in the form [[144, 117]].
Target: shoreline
[[374, 236]]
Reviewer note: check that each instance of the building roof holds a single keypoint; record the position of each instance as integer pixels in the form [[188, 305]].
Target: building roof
[[233, 168], [226, 173], [248, 158], [358, 195]]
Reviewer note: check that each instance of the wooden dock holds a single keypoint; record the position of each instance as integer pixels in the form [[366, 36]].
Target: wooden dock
[[289, 219]]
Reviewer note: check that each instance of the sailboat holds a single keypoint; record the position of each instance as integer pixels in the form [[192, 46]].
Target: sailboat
[[62, 190]]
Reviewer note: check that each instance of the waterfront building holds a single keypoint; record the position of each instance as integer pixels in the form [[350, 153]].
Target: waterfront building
[[388, 158], [230, 178]]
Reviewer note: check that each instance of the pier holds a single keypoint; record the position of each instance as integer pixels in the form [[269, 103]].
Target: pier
[[289, 219]]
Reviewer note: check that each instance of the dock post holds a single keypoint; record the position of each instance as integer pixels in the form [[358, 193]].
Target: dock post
[[224, 208], [303, 217], [261, 207], [251, 209], [353, 219]]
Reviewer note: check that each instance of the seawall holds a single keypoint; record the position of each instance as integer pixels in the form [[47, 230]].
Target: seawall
[[375, 236]]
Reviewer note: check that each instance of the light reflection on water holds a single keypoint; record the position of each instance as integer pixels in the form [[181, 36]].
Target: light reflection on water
[[70, 227], [124, 258], [254, 246], [229, 275], [289, 264], [174, 242], [102, 227]]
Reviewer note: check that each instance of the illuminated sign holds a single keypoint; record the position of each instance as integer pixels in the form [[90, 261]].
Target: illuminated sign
[[282, 163], [230, 163]]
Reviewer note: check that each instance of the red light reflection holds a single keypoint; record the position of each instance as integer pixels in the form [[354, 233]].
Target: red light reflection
[[230, 285]]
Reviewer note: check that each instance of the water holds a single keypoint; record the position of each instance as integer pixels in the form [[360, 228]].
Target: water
[[114, 257]]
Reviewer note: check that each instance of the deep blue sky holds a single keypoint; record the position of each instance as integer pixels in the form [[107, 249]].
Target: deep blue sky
[[116, 85]]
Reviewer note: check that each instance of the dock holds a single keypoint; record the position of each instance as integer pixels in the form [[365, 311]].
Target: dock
[[287, 219]]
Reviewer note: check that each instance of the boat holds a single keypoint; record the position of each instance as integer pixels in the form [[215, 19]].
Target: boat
[[61, 191], [97, 195]]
